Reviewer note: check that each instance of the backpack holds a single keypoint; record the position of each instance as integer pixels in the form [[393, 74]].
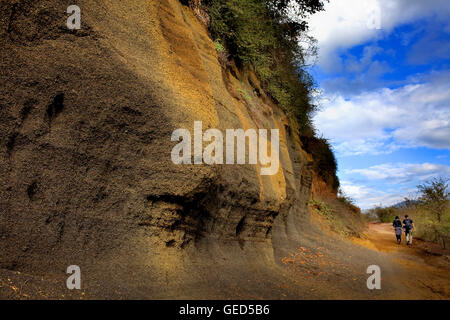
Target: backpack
[[408, 224]]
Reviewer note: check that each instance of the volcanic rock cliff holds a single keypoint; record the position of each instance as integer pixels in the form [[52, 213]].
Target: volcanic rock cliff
[[86, 174]]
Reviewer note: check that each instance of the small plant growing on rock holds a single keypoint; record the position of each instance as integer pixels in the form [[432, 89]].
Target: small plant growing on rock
[[321, 208], [222, 54], [219, 47], [245, 94]]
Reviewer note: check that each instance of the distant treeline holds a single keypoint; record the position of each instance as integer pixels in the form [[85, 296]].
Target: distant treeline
[[430, 211]]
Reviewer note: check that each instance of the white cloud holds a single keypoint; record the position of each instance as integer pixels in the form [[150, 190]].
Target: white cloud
[[389, 183], [347, 23], [401, 173], [367, 197], [385, 120], [363, 115]]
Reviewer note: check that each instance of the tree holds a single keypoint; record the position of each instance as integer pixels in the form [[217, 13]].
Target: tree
[[292, 13], [434, 196]]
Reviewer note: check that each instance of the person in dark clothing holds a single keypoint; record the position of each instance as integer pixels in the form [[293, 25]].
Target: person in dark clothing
[[408, 225], [397, 224]]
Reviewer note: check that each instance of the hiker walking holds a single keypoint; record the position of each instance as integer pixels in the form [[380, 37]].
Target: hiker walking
[[408, 225], [397, 224]]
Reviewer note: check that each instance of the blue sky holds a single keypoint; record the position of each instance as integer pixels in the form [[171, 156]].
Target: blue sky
[[384, 72]]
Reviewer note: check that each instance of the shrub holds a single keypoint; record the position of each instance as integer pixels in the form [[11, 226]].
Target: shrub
[[430, 213], [219, 47], [222, 54], [321, 208], [434, 196], [341, 217], [386, 214], [349, 202], [434, 217]]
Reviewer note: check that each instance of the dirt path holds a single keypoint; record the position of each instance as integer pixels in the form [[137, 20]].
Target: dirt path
[[423, 268], [333, 270]]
